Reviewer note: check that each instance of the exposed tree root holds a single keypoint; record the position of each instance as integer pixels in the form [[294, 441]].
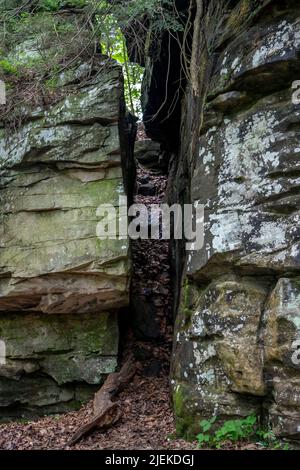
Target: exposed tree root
[[106, 412]]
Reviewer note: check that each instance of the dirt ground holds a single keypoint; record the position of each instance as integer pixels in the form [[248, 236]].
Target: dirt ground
[[147, 424]]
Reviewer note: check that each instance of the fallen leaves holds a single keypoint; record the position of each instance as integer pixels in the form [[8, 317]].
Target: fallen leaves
[[146, 423]]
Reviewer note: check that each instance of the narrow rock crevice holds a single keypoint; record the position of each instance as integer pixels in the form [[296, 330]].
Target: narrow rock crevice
[[151, 287]]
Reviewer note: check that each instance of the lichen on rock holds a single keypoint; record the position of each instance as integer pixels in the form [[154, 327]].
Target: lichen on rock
[[237, 330], [61, 287]]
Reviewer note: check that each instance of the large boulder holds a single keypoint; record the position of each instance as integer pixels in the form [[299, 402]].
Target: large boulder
[[282, 356], [55, 172], [239, 313]]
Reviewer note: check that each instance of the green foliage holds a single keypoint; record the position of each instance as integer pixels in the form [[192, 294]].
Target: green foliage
[[43, 26], [51, 83], [36, 47], [50, 5], [113, 44], [139, 19], [237, 430], [162, 13], [204, 437]]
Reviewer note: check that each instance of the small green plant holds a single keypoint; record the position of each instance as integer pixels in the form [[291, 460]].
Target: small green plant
[[51, 83], [8, 67], [231, 431], [237, 430]]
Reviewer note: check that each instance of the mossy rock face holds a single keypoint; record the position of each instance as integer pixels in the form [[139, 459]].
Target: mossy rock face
[[51, 188], [217, 359], [238, 323]]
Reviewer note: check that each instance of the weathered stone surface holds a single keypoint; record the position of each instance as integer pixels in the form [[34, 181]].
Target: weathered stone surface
[[237, 326], [282, 319], [246, 172], [55, 172], [85, 351], [270, 45]]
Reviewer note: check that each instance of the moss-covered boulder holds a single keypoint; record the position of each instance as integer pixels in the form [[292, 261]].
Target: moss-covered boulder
[[282, 357], [218, 358], [63, 351]]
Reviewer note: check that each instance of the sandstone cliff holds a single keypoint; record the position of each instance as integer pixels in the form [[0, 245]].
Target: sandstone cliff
[[61, 287]]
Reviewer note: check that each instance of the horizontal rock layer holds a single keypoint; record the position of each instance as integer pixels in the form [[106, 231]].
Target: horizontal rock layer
[[60, 285]]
